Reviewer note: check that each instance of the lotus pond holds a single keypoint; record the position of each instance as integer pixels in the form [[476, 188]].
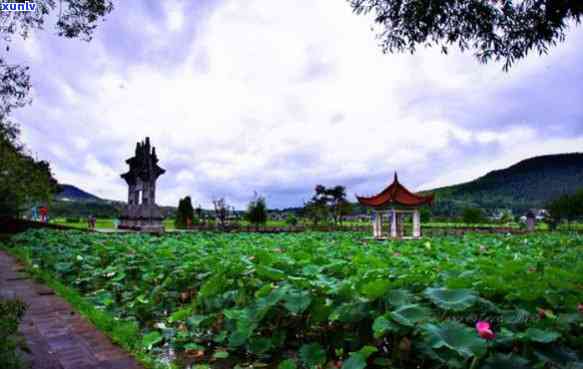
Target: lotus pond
[[318, 300]]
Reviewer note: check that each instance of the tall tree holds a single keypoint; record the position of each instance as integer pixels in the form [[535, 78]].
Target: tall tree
[[327, 203], [339, 206], [494, 29], [222, 212], [184, 213], [257, 210], [23, 179], [317, 208]]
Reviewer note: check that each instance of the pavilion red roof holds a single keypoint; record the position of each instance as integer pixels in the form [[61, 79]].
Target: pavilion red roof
[[395, 194]]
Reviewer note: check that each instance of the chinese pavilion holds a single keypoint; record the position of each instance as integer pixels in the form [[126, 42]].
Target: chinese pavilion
[[141, 212], [394, 203]]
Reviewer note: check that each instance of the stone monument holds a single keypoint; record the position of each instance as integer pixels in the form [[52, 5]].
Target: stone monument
[[141, 212]]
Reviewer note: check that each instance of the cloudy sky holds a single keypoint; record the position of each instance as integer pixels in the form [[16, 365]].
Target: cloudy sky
[[276, 97]]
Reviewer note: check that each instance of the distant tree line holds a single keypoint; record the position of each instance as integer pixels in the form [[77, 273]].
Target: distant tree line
[[566, 208]]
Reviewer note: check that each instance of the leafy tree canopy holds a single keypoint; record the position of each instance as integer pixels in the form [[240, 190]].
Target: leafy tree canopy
[[327, 202], [23, 179], [502, 30], [257, 210], [184, 213]]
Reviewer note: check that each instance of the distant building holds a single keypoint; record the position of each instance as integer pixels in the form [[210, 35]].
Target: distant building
[[394, 202]]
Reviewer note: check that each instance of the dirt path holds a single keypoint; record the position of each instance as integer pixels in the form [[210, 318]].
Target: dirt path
[[57, 336]]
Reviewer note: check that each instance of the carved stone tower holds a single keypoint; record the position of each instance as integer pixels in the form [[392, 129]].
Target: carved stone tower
[[142, 213]]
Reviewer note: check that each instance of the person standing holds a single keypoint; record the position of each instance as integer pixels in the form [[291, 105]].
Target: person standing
[[44, 211]]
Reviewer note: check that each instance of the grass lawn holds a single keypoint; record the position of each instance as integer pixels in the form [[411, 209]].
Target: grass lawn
[[102, 223]]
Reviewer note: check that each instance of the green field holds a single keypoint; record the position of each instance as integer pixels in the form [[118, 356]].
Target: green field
[[315, 300], [100, 223]]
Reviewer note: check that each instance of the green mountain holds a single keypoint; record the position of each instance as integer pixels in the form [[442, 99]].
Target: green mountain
[[73, 202], [531, 183], [67, 192]]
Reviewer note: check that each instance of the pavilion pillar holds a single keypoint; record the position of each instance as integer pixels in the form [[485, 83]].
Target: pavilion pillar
[[416, 224], [376, 224], [379, 225], [393, 224]]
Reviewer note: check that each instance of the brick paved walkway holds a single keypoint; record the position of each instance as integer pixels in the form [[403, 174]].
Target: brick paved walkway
[[56, 335]]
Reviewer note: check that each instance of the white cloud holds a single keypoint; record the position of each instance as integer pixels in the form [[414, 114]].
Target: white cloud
[[293, 93], [174, 15]]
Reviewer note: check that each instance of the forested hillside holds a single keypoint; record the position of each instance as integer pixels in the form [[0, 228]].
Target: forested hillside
[[530, 183]]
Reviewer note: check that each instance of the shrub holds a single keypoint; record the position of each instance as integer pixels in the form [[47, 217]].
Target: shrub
[[184, 213], [257, 211], [11, 313], [473, 216], [291, 220]]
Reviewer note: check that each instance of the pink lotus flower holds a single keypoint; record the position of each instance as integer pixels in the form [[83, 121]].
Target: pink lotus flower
[[580, 308], [484, 330]]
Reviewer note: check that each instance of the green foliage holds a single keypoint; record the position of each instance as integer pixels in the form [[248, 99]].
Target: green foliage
[[425, 214], [409, 315], [257, 211], [312, 355], [151, 339], [494, 30], [567, 207], [312, 299], [184, 213], [506, 217], [451, 299], [357, 360], [473, 216], [456, 337], [316, 211], [383, 325], [287, 364], [291, 220], [539, 335], [23, 180], [83, 209], [328, 203], [11, 313]]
